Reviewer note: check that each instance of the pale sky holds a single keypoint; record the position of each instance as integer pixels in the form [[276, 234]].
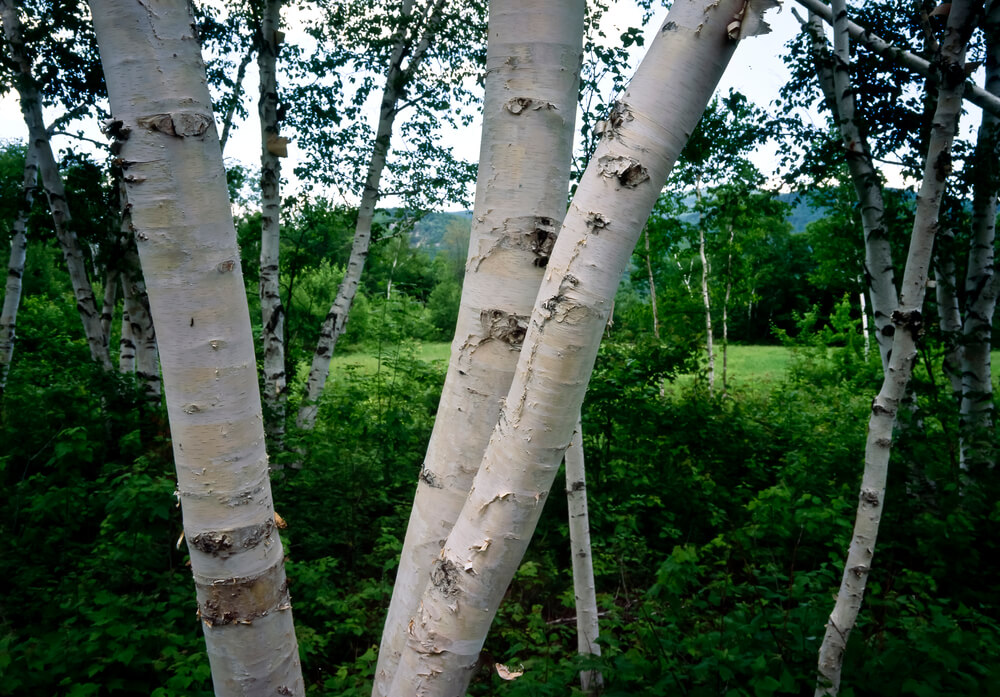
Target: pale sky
[[756, 70]]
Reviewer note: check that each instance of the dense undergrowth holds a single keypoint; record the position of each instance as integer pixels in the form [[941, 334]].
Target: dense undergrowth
[[719, 531]]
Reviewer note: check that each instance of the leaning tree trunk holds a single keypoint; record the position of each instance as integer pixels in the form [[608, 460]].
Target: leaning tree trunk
[[584, 590], [976, 410], [835, 79], [272, 313], [126, 344], [532, 80], [906, 321], [652, 286], [146, 362], [179, 205], [15, 267], [397, 77], [646, 132], [31, 109], [110, 300]]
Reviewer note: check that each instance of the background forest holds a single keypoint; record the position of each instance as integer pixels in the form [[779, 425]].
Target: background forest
[[724, 426]]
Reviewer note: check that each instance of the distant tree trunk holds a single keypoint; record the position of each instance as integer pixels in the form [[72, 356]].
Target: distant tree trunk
[[141, 331], [725, 312], [976, 410], [179, 205], [397, 77], [707, 300], [834, 77], [584, 590], [272, 312], [31, 108], [906, 320], [864, 323], [110, 300], [531, 86], [652, 286], [15, 266], [615, 196], [949, 315], [126, 345]]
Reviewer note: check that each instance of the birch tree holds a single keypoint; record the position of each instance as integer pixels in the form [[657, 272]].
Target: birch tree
[[644, 136], [15, 266], [272, 147], [164, 133], [584, 590], [31, 109], [416, 34], [906, 320], [532, 78]]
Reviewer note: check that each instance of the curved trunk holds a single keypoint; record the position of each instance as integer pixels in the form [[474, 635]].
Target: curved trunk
[[179, 205], [397, 77], [906, 321], [272, 312], [591, 681], [31, 109], [532, 80], [15, 267], [645, 134]]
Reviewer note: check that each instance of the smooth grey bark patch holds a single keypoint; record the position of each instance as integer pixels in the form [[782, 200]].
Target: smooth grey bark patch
[[627, 171], [181, 124], [504, 326]]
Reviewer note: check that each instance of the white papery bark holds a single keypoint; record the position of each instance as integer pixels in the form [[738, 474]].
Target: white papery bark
[[110, 300], [584, 590], [532, 80], [15, 267], [616, 194], [126, 344], [949, 314], [976, 410], [397, 76], [176, 187], [146, 362], [906, 321], [31, 109], [272, 312], [706, 300]]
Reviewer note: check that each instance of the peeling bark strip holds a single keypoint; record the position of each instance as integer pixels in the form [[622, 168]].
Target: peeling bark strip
[[31, 109], [533, 53], [907, 321], [179, 204], [534, 428], [242, 600]]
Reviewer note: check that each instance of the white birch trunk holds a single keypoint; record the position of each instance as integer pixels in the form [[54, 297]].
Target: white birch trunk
[[532, 80], [652, 287], [272, 312], [15, 267], [835, 82], [176, 184], [146, 354], [615, 196], [725, 312], [706, 299], [591, 681], [864, 323], [397, 76], [949, 315], [976, 409], [31, 109], [126, 345], [906, 321], [111, 277], [227, 119]]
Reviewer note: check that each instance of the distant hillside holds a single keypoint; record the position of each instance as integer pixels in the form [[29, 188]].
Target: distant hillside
[[438, 232]]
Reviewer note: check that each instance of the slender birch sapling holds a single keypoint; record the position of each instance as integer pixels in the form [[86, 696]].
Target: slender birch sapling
[[906, 322]]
